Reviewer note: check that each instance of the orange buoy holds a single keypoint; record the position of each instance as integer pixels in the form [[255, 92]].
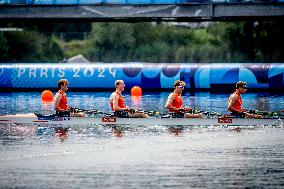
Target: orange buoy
[[136, 91], [47, 96]]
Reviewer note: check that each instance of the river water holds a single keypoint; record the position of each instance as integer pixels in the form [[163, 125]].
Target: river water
[[140, 157]]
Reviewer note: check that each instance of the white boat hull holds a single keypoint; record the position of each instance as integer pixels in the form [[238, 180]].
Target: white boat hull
[[223, 121]]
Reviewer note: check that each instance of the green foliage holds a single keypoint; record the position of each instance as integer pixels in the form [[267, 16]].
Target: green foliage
[[249, 41], [261, 41], [4, 48], [74, 47], [29, 46], [146, 42], [70, 31], [51, 48]]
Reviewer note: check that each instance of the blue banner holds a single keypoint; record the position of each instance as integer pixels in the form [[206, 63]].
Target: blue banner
[[145, 75]]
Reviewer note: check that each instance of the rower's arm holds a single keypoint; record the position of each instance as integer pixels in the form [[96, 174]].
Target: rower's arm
[[232, 100], [169, 103], [57, 99], [115, 103]]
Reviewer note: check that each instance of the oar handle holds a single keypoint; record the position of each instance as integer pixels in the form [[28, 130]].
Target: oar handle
[[78, 110], [206, 113], [191, 111], [151, 112], [265, 113]]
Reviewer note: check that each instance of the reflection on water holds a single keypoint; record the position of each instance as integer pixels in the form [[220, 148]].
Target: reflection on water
[[117, 131], [140, 157], [151, 157], [61, 133], [177, 131]]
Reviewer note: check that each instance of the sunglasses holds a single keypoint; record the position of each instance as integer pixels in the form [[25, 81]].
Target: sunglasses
[[244, 87], [182, 87]]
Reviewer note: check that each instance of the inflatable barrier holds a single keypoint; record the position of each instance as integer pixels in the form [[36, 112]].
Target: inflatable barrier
[[152, 76]]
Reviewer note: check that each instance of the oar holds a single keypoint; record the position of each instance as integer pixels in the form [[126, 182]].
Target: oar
[[206, 113], [93, 112], [85, 111], [77, 110], [266, 113], [150, 112]]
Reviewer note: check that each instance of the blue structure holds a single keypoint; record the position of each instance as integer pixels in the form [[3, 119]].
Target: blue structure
[[81, 2], [141, 10], [148, 76]]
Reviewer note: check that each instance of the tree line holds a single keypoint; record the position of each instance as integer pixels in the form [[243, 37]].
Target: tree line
[[247, 41]]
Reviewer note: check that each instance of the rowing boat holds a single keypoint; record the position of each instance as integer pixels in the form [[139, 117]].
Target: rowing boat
[[108, 120]]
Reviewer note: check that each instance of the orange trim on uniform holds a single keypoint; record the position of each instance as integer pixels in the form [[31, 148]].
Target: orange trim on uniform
[[63, 101], [120, 102], [177, 102], [238, 103]]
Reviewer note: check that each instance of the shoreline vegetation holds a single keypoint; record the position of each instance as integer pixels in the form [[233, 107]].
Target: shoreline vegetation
[[248, 41]]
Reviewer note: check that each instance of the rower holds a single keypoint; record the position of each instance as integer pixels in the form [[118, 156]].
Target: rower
[[60, 101], [235, 102], [174, 103], [117, 103]]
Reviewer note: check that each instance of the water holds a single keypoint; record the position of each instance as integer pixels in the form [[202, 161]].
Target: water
[[26, 102], [140, 157]]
